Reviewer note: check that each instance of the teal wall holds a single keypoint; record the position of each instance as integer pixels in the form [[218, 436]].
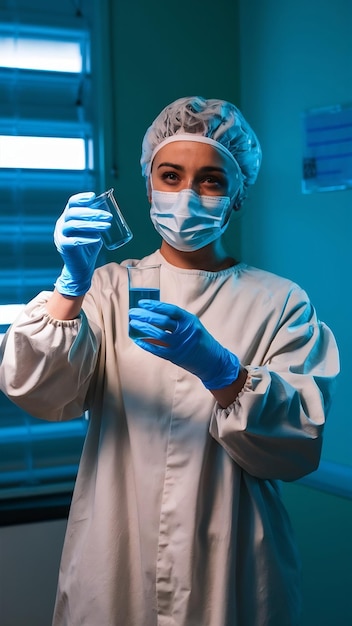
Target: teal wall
[[296, 55], [322, 524]]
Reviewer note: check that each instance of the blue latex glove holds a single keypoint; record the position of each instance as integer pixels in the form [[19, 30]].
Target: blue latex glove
[[77, 238], [185, 342]]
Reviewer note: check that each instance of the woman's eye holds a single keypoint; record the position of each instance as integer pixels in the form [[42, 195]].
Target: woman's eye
[[214, 182], [170, 177]]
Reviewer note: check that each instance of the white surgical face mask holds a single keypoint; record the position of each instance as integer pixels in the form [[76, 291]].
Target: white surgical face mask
[[188, 221]]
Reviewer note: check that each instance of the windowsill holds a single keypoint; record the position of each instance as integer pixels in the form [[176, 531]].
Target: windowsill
[[34, 509]]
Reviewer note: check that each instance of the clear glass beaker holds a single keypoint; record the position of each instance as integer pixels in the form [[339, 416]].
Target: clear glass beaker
[[119, 232], [143, 282]]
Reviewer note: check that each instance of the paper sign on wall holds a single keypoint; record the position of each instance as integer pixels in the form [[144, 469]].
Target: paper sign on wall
[[327, 156]]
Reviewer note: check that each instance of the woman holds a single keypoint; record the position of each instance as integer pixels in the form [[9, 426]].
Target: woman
[[176, 517]]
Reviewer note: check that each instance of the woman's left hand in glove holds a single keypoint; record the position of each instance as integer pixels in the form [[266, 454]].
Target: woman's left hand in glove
[[178, 336]]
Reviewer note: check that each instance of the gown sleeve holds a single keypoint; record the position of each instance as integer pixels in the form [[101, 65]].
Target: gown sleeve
[[274, 428], [46, 364]]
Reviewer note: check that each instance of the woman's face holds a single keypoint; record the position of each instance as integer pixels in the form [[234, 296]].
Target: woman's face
[[193, 165]]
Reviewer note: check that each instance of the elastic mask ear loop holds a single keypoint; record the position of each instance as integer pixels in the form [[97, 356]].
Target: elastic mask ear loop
[[232, 212], [150, 186]]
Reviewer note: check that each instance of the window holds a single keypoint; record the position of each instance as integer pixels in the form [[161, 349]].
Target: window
[[46, 137], [46, 155], [30, 53], [51, 153]]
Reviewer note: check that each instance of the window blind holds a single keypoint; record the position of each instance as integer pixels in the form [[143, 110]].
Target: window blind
[[46, 155]]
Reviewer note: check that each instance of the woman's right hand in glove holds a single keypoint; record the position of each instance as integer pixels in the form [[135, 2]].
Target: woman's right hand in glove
[[77, 237]]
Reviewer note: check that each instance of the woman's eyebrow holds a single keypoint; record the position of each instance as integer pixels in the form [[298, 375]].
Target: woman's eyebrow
[[206, 168], [167, 164]]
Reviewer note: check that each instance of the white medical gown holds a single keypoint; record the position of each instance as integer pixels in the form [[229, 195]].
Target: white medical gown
[[176, 518]]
